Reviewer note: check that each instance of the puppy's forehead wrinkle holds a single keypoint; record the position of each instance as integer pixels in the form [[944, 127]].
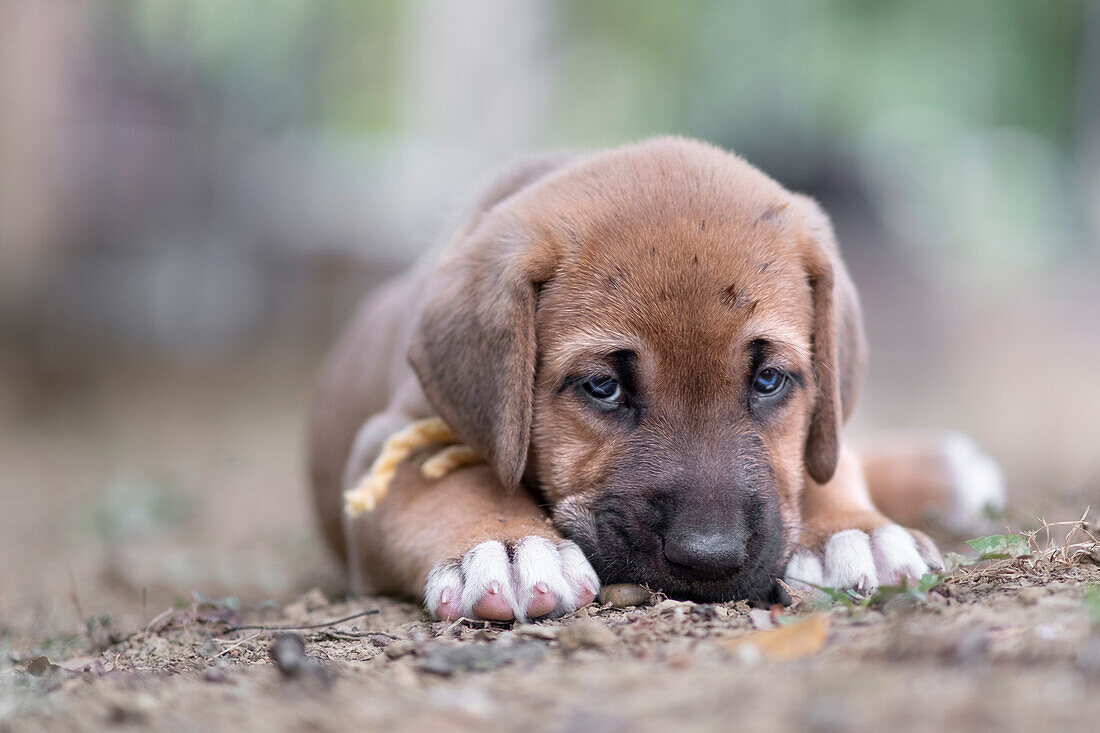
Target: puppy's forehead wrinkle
[[589, 343], [781, 338]]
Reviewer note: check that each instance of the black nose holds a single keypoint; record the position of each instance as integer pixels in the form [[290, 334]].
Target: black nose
[[705, 554]]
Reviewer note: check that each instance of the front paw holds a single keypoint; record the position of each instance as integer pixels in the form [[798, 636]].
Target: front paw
[[531, 578], [864, 561]]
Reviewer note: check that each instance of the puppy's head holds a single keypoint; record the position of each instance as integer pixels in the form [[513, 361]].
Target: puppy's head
[[662, 343]]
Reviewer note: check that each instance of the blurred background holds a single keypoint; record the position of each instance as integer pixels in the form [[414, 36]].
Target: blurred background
[[195, 193]]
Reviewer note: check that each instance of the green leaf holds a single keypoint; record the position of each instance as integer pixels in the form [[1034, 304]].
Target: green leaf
[[1000, 546], [1092, 603], [953, 561]]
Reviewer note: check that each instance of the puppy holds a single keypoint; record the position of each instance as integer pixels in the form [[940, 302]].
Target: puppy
[[654, 348]]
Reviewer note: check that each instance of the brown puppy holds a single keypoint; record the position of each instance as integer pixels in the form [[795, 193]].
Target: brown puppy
[[654, 348]]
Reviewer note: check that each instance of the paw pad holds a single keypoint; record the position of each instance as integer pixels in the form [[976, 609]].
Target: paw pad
[[854, 559], [539, 578]]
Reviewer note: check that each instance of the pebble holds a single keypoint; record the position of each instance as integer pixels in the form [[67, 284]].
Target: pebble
[[380, 641], [40, 666], [585, 635], [537, 631], [288, 651], [622, 595]]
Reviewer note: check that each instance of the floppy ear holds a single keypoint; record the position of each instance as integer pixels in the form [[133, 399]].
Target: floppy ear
[[474, 345], [839, 344]]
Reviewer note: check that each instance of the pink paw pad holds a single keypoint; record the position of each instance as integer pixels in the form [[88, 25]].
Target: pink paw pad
[[585, 595], [493, 604], [543, 601], [448, 608], [537, 578]]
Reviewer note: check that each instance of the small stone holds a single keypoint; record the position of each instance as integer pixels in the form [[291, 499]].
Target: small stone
[[585, 635], [399, 649], [538, 631], [40, 666], [621, 595], [288, 651]]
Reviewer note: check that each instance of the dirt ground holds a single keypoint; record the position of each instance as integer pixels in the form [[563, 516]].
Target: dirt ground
[[147, 541], [148, 508], [1006, 645]]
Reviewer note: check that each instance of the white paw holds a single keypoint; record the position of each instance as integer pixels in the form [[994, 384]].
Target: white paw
[[978, 482], [540, 578], [854, 559]]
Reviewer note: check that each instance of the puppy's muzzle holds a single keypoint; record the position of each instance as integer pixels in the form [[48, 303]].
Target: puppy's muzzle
[[703, 536]]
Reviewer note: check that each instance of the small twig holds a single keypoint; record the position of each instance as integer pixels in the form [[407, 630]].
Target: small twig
[[306, 627], [383, 633], [485, 623], [343, 635], [231, 648]]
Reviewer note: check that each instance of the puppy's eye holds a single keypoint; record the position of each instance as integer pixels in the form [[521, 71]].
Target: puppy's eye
[[769, 381], [604, 390]]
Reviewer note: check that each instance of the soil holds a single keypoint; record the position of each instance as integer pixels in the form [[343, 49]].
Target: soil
[[996, 646], [149, 562]]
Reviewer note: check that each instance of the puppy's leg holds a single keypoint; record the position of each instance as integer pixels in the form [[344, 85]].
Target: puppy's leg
[[933, 479], [469, 548], [847, 543]]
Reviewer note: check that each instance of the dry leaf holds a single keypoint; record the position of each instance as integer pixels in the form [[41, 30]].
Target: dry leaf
[[797, 640]]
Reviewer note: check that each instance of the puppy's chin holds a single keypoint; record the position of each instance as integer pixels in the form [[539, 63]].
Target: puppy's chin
[[756, 582], [763, 591], [622, 550]]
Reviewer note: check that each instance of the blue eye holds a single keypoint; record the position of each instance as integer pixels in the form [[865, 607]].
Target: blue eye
[[769, 381], [603, 389]]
